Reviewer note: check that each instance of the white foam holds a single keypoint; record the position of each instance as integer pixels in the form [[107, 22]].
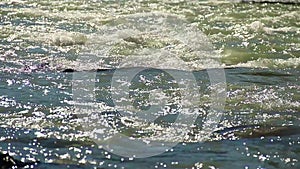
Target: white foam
[[271, 63], [149, 35]]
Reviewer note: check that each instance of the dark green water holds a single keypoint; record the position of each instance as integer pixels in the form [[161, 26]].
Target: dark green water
[[258, 46]]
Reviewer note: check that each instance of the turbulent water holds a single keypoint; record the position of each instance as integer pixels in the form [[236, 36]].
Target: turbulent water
[[44, 46]]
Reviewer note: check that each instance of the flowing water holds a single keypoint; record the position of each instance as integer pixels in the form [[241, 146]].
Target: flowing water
[[257, 45]]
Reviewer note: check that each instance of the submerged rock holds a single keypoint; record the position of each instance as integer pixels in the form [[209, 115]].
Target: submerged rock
[[264, 131], [36, 67], [260, 131], [7, 162]]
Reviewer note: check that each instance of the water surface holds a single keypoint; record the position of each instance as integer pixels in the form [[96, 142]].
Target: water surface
[[257, 44]]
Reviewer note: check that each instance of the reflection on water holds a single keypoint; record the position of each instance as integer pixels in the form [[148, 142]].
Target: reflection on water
[[258, 46]]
